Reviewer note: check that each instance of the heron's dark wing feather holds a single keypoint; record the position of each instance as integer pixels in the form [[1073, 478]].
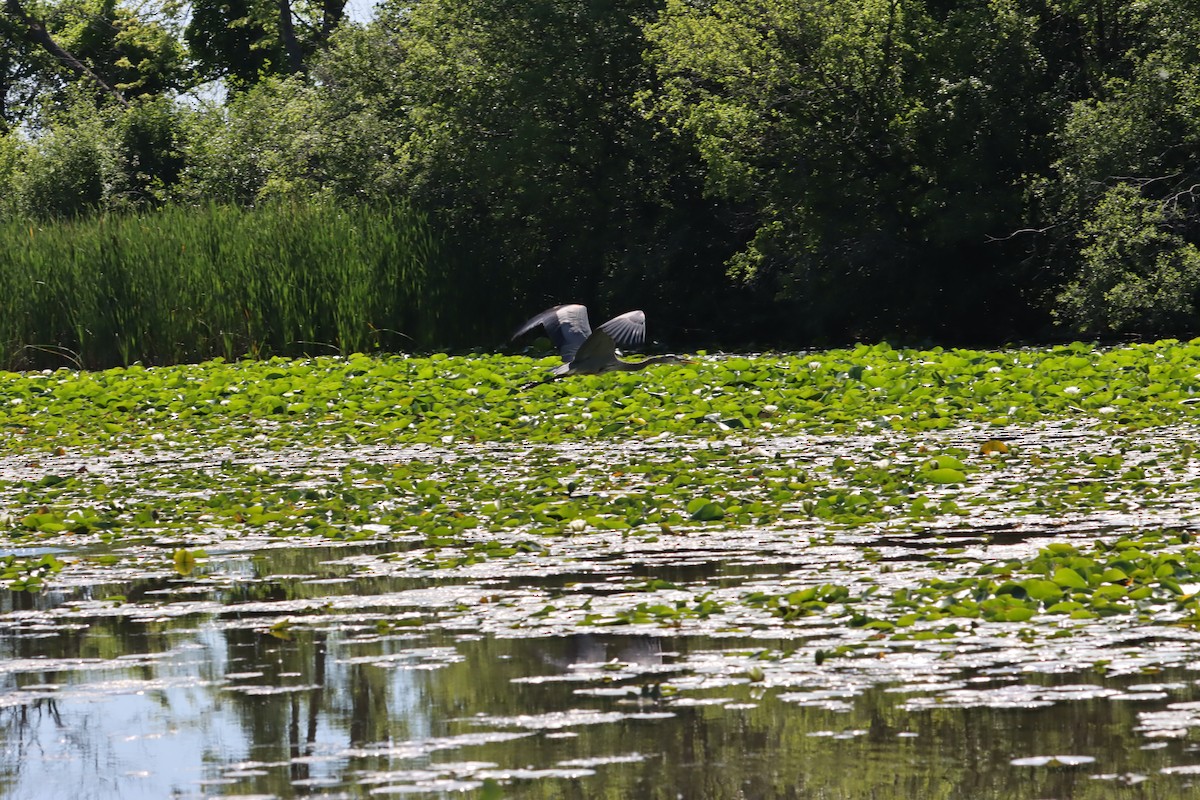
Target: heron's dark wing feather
[[597, 351], [627, 330], [566, 325]]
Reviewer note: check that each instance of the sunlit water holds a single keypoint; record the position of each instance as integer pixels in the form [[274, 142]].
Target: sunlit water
[[284, 668]]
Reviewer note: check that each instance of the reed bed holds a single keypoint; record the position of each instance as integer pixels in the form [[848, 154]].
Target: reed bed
[[187, 284]]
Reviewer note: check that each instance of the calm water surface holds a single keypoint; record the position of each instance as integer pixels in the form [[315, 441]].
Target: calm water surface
[[277, 686], [280, 666]]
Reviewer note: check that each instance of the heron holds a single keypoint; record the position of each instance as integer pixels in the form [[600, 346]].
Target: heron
[[588, 352]]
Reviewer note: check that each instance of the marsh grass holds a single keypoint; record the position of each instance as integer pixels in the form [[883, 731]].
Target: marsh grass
[[187, 284]]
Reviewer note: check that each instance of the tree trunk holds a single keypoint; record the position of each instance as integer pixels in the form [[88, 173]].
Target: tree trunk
[[332, 14], [287, 32]]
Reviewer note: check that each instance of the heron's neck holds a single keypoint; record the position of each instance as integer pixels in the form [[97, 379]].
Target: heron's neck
[[636, 365]]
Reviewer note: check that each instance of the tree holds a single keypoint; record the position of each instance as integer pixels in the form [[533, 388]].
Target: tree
[[12, 159], [520, 136], [1137, 273], [35, 31], [880, 143], [83, 51], [1123, 196], [24, 71], [242, 41], [97, 159], [284, 137]]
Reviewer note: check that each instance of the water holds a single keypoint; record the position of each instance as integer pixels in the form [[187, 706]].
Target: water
[[194, 692], [598, 663]]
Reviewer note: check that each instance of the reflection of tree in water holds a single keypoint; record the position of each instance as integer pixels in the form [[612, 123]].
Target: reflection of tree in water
[[17, 601], [19, 726], [284, 726], [369, 721], [336, 705], [297, 746]]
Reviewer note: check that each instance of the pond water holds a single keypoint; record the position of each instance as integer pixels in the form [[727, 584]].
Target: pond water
[[183, 691], [215, 654]]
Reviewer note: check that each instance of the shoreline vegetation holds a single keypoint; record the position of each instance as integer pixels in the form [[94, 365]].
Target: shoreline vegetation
[[754, 175], [186, 285]]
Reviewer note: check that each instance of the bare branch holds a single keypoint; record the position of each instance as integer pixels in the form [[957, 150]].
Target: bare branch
[[1022, 232]]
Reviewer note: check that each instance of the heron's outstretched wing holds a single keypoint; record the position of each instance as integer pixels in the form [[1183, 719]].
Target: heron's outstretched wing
[[566, 325], [627, 330]]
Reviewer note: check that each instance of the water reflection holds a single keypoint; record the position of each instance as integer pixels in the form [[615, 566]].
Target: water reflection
[[210, 691]]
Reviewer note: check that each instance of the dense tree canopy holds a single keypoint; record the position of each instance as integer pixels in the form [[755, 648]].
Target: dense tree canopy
[[789, 171], [882, 144]]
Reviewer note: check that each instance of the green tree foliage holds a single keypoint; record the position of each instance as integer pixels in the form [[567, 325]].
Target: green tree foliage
[[138, 54], [53, 55], [104, 159], [518, 131], [238, 153], [882, 144], [243, 41], [285, 137], [234, 40], [24, 72], [807, 170], [12, 164], [1126, 179], [1137, 273]]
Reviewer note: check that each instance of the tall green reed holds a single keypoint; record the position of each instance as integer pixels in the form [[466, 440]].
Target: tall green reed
[[185, 284]]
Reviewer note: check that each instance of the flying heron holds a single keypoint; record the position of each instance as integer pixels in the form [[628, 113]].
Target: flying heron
[[588, 352]]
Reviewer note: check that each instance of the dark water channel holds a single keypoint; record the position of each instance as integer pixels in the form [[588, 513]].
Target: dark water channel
[[303, 676]]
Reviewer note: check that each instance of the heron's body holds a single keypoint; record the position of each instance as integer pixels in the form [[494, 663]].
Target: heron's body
[[588, 352]]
